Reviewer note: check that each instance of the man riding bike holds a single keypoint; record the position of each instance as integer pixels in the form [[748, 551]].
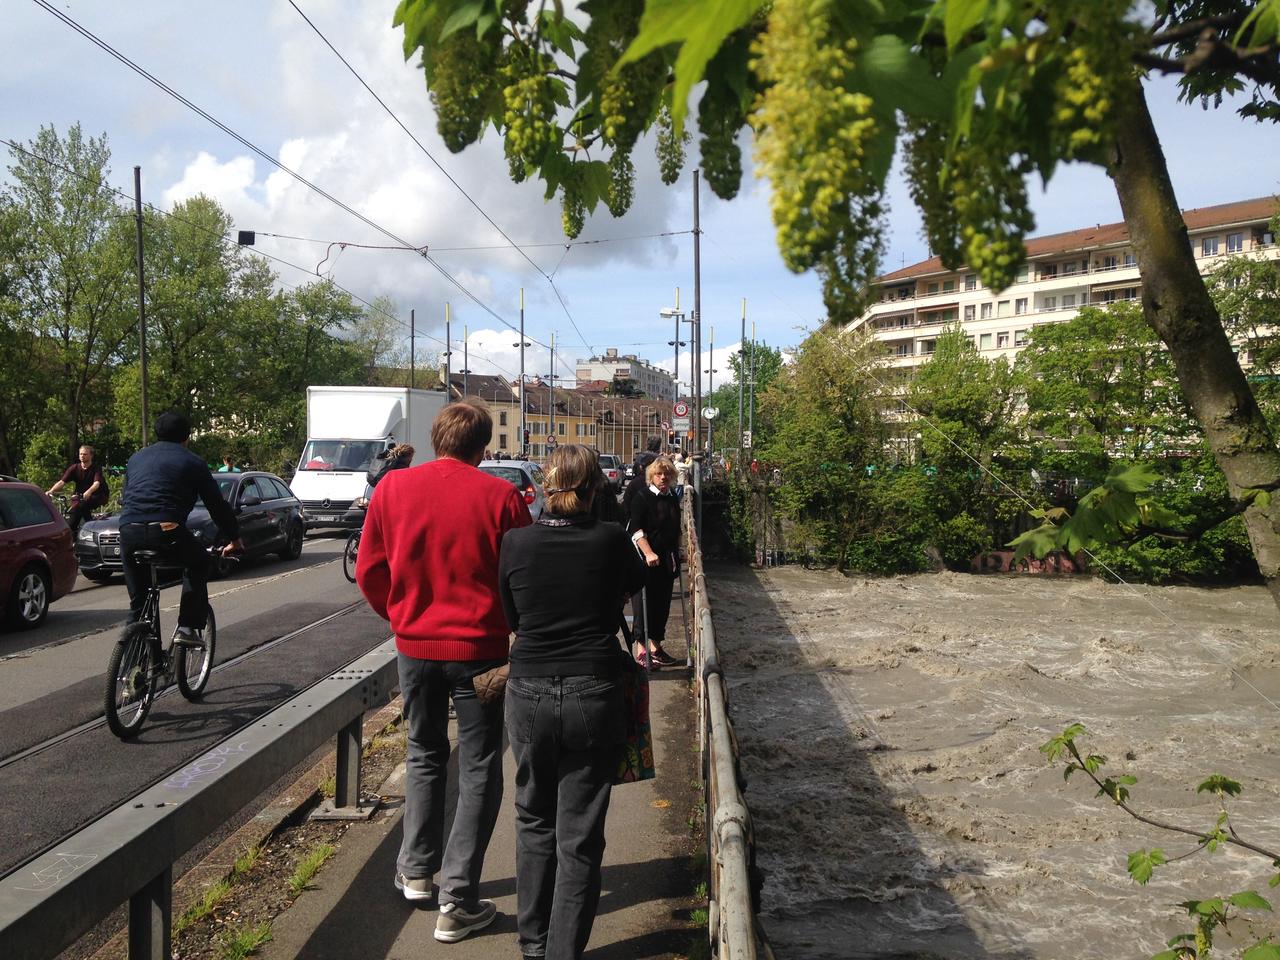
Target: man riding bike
[[91, 487], [162, 482]]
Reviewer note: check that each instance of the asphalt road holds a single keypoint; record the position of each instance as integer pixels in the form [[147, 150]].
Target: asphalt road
[[53, 679]]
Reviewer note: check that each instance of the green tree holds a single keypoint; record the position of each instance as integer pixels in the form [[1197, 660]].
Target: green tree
[[981, 93], [1104, 382], [1247, 294], [71, 271]]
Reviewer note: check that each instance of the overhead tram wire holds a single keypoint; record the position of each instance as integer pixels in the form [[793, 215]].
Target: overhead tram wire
[[500, 246], [391, 113], [228, 242], [249, 145]]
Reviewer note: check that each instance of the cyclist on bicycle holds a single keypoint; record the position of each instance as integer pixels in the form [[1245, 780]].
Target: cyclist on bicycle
[[91, 487], [162, 482]]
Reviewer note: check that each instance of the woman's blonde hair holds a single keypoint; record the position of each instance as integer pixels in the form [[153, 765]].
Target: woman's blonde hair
[[661, 465], [571, 477]]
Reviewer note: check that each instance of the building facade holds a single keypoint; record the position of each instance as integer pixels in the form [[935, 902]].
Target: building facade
[[654, 382], [1094, 266]]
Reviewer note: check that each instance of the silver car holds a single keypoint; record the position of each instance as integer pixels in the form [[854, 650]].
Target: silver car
[[525, 476]]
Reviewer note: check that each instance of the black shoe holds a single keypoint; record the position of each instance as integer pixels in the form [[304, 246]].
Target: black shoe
[[662, 658]]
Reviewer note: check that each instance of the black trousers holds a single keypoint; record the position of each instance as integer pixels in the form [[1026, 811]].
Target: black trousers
[[180, 548], [81, 512], [659, 584]]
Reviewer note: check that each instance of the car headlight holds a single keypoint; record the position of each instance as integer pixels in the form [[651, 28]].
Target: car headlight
[[86, 536]]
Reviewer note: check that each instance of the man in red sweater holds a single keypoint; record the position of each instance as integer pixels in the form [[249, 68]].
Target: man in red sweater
[[428, 562]]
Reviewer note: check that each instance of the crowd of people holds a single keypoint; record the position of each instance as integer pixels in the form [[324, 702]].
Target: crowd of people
[[470, 584]]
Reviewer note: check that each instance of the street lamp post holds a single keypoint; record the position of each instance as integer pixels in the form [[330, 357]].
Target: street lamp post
[[742, 377], [711, 389], [522, 343], [465, 363], [448, 353]]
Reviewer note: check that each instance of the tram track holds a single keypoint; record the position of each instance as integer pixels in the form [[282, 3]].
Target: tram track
[[101, 721]]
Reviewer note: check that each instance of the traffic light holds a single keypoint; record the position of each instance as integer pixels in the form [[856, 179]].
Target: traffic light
[[671, 438]]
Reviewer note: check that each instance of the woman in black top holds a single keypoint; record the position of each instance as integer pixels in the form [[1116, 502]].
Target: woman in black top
[[655, 529], [562, 582]]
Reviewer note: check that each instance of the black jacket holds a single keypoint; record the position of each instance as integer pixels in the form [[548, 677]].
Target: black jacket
[[162, 482]]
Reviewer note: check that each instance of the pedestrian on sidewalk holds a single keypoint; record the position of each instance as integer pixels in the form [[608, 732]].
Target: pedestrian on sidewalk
[[428, 562], [562, 582], [654, 526]]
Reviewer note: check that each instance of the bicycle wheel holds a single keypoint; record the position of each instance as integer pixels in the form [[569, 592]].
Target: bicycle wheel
[[193, 664], [349, 556], [131, 679]]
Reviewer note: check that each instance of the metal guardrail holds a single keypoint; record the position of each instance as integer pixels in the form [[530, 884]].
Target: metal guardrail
[[732, 924], [49, 903]]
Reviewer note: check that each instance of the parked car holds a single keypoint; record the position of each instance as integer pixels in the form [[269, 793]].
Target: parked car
[[526, 476], [37, 557], [611, 464], [271, 521]]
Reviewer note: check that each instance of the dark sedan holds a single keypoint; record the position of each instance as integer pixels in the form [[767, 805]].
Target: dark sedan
[[271, 521]]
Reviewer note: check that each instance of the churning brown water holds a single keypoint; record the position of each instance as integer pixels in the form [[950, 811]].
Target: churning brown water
[[890, 728]]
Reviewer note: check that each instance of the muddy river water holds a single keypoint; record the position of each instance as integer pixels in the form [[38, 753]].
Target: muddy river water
[[890, 730]]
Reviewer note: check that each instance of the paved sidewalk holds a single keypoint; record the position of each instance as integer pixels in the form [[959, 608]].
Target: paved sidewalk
[[355, 912]]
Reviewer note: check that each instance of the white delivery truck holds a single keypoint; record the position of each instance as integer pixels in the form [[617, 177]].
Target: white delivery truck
[[346, 428]]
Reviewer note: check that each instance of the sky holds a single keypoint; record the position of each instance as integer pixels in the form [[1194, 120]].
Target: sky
[[256, 66]]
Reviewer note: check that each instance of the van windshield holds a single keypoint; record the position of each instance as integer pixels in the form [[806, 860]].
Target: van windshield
[[340, 454]]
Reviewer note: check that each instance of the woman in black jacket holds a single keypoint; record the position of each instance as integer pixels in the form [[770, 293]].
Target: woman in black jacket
[[654, 526], [562, 582]]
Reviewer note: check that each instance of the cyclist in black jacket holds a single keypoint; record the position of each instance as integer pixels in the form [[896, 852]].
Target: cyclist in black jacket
[[162, 482]]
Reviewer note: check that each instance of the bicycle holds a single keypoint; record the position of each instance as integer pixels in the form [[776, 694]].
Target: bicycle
[[140, 666], [349, 553]]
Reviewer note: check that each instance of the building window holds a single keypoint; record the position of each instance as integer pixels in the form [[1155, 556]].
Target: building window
[[1049, 303], [928, 346], [1068, 301], [1235, 242], [986, 311], [1069, 268], [1209, 247], [1020, 305], [1002, 340], [1130, 260], [971, 281], [1002, 308], [948, 286], [502, 418], [560, 428], [931, 288], [1110, 262], [970, 311], [984, 341], [1019, 338], [502, 441], [1023, 274], [1048, 270], [535, 428]]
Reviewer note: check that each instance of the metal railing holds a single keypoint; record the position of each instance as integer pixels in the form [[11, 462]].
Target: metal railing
[[732, 923], [128, 854]]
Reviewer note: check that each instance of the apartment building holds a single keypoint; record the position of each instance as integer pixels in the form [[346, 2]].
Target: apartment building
[[1064, 272], [654, 382]]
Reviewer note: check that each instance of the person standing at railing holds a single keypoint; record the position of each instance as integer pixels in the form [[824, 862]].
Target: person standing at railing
[[428, 562], [654, 526], [562, 583]]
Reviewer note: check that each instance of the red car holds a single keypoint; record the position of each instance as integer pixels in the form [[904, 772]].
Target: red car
[[37, 554]]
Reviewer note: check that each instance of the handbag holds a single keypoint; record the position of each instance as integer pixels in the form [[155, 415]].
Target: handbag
[[491, 686], [636, 762]]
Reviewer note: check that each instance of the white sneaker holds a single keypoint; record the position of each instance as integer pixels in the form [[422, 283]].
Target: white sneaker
[[454, 923], [416, 888]]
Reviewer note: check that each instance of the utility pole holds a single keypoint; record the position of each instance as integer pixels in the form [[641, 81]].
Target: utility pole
[[142, 302], [551, 389], [711, 389], [751, 405], [413, 333], [466, 364], [697, 330], [448, 354], [742, 376], [523, 426]]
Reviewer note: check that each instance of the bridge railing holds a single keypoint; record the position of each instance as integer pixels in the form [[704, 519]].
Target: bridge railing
[[128, 854], [733, 926]]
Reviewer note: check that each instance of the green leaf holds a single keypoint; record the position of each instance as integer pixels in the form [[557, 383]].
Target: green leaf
[[1136, 478], [1142, 864], [1265, 950], [1223, 786], [897, 77], [961, 17], [1204, 908], [1249, 900], [698, 28], [1168, 955], [465, 15]]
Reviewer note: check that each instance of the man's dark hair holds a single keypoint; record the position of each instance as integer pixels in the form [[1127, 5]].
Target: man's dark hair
[[653, 444], [173, 427]]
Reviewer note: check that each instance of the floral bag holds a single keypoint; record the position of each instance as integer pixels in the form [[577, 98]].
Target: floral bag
[[636, 762]]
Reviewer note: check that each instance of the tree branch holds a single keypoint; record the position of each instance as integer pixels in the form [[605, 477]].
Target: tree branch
[[1191, 28]]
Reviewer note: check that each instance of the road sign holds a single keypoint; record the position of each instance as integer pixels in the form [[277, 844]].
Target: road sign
[[681, 424], [710, 413], [746, 439], [681, 409], [666, 425], [551, 443]]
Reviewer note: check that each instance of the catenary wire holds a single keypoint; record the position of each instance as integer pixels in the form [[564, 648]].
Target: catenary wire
[[438, 249], [391, 113], [227, 241], [161, 85]]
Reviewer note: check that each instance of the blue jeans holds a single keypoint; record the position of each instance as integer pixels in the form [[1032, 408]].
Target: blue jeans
[[566, 734], [426, 686]]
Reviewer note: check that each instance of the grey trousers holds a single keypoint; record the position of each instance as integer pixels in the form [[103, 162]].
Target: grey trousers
[[566, 734], [427, 686]]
